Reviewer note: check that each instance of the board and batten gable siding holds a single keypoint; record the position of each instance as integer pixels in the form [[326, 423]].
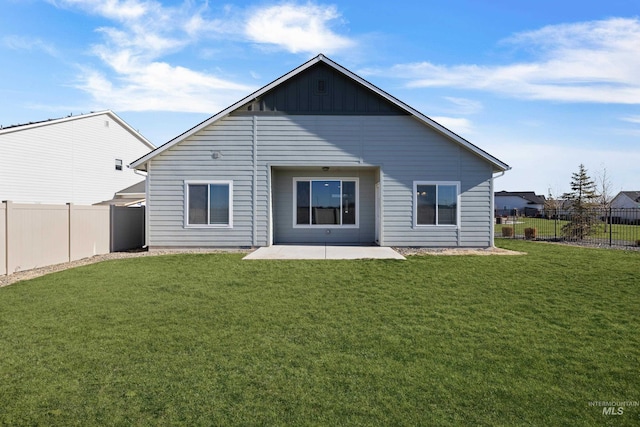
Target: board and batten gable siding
[[71, 161], [403, 149], [338, 95]]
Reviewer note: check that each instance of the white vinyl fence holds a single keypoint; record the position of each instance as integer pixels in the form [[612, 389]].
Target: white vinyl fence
[[34, 235]]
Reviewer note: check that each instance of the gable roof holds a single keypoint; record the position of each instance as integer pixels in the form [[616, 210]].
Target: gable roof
[[530, 196], [132, 195], [111, 114], [633, 195], [498, 165]]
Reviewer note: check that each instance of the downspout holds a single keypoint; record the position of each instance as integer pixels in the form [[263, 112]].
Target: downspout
[[493, 208]]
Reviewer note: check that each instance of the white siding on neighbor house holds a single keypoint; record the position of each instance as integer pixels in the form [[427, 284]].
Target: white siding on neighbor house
[[513, 202], [622, 201], [625, 207], [71, 161], [402, 148]]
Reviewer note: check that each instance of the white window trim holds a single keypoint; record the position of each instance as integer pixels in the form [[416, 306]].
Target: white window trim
[[186, 204], [436, 183], [325, 178]]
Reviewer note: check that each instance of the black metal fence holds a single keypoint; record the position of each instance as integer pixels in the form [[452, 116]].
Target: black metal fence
[[596, 226]]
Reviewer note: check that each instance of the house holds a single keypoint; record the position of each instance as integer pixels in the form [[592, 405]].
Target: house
[[626, 207], [77, 159], [526, 203], [319, 155]]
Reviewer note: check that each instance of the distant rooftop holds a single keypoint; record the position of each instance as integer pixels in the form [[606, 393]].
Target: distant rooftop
[[529, 196], [633, 195], [2, 127]]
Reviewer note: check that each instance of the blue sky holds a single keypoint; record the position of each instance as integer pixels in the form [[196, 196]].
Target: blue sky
[[543, 85]]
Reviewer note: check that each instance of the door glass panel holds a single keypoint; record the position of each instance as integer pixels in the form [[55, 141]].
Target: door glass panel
[[326, 198], [348, 202], [303, 214]]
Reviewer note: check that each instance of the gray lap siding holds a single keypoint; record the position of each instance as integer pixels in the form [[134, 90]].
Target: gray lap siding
[[398, 148]]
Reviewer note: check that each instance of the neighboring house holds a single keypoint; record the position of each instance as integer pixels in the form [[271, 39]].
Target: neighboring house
[[319, 155], [627, 206], [77, 159], [526, 203]]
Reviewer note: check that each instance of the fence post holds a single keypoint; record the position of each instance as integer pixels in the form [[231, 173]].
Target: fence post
[[610, 228], [69, 236], [555, 225], [112, 215], [5, 230]]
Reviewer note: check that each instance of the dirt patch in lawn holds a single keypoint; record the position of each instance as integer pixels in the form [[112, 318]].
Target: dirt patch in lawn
[[456, 251]]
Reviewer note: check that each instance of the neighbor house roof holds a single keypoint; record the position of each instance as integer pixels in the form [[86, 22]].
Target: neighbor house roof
[[111, 114], [131, 195], [530, 196], [633, 195], [498, 165]]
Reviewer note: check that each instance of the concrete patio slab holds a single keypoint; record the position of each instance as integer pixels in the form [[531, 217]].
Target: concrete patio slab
[[323, 252]]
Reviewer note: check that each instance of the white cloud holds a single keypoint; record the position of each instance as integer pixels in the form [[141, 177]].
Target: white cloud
[[112, 9], [296, 28], [464, 105], [28, 43], [632, 119], [143, 33], [137, 78], [158, 86], [594, 61], [460, 126]]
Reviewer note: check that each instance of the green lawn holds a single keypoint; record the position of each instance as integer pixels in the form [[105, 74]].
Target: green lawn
[[434, 340]]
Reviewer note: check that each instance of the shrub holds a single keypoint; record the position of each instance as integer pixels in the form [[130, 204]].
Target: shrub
[[507, 231], [530, 233]]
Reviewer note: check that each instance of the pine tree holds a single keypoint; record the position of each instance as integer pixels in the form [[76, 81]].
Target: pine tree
[[582, 198]]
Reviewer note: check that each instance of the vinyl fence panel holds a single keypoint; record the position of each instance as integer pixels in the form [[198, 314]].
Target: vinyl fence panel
[[89, 234], [3, 238], [35, 235]]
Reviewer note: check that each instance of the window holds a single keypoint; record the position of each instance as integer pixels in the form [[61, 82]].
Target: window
[[325, 202], [209, 204], [435, 203], [118, 164]]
